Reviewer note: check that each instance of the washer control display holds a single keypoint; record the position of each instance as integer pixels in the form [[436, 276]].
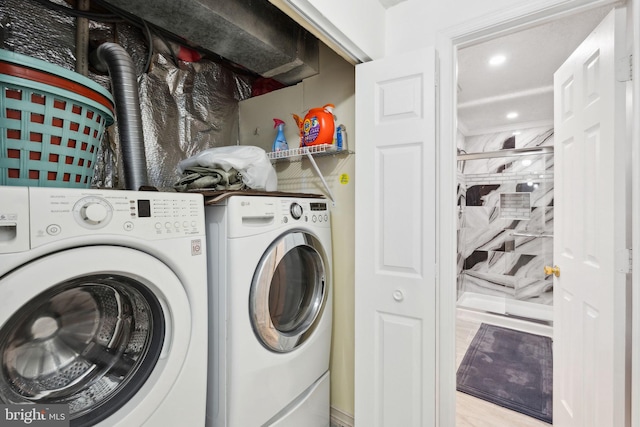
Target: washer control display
[[144, 208], [318, 206]]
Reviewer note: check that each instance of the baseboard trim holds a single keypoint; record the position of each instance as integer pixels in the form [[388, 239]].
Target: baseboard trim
[[340, 418]]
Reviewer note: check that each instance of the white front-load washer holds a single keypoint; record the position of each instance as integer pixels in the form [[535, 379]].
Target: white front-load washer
[[103, 296], [270, 311]]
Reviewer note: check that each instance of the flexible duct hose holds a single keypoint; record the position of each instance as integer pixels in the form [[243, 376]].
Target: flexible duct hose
[[113, 58]]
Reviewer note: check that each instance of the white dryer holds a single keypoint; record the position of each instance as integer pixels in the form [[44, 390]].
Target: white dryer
[[270, 311], [104, 304]]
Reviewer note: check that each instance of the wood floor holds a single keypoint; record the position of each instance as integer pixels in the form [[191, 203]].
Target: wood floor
[[474, 412]]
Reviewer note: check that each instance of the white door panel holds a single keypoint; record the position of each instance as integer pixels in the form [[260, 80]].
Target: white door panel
[[589, 295], [395, 241]]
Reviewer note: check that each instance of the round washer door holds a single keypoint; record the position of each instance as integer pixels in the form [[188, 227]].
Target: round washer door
[[289, 291], [90, 327]]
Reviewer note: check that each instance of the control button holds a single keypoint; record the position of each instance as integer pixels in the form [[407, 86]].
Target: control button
[[176, 224], [167, 224], [313, 218], [158, 226], [285, 219], [128, 226], [185, 224], [53, 230], [193, 224], [326, 217]]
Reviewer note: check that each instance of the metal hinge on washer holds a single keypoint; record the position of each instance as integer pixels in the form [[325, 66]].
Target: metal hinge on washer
[[624, 69], [625, 261]]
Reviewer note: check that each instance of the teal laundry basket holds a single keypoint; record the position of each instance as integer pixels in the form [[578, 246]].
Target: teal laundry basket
[[51, 123]]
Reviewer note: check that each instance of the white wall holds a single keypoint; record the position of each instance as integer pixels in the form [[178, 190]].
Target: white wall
[[353, 28], [414, 23], [362, 21]]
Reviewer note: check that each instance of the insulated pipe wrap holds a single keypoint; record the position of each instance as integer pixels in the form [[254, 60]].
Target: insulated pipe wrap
[[113, 58]]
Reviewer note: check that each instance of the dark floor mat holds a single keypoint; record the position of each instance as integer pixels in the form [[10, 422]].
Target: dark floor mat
[[510, 368]]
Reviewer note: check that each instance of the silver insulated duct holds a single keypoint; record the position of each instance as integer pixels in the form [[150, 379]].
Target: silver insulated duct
[[113, 58], [254, 34]]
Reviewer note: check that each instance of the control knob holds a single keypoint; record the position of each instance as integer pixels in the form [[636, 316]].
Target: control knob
[[296, 210], [93, 212]]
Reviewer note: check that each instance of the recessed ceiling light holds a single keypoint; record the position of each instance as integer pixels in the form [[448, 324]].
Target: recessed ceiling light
[[512, 115], [516, 133], [497, 60], [526, 162]]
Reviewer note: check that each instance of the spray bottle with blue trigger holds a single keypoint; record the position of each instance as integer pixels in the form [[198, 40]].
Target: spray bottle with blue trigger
[[280, 143]]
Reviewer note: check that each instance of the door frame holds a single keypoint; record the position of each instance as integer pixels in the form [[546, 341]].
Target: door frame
[[447, 43]]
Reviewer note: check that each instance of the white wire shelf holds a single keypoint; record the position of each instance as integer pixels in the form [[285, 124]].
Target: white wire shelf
[[299, 152], [309, 152]]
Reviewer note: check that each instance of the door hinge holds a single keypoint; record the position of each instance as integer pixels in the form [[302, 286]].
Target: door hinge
[[624, 69], [625, 261]]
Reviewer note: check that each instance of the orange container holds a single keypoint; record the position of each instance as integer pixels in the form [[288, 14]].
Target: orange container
[[317, 127]]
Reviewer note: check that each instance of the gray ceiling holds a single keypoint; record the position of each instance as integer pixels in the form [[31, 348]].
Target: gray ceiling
[[524, 83]]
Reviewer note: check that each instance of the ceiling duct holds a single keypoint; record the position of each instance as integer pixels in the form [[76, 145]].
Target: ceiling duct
[[252, 33]]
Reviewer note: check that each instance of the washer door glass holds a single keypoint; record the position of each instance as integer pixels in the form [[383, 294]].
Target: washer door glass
[[81, 343], [289, 291], [89, 327]]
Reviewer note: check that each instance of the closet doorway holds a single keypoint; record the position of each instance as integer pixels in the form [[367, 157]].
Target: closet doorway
[[505, 148]]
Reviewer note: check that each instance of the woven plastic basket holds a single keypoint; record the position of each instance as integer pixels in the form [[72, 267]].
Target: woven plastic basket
[[51, 123]]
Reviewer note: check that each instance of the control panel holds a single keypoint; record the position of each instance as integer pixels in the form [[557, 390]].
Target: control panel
[[62, 213], [250, 215], [304, 211]]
